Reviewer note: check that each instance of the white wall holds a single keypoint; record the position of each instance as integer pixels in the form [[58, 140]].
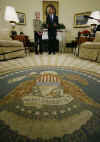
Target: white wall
[[67, 9]]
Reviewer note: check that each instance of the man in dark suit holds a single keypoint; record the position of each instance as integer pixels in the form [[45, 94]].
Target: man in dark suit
[[52, 22]]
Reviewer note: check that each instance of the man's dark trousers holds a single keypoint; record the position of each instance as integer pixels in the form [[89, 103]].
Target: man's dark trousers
[[38, 41], [52, 44], [52, 32]]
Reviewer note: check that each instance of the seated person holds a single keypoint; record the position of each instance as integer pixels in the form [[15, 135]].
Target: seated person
[[13, 34], [21, 33]]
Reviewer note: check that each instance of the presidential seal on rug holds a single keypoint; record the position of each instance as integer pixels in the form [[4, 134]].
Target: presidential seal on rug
[[50, 104]]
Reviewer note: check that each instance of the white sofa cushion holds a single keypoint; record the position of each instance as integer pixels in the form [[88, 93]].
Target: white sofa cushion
[[10, 43], [91, 45]]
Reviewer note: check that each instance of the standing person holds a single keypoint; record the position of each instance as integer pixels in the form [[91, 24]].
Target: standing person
[[52, 22], [38, 33]]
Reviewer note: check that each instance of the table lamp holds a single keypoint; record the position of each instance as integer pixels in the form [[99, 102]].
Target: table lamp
[[94, 18], [11, 16], [93, 21]]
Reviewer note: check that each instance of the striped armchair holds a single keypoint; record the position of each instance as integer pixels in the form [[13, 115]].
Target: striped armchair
[[91, 50], [10, 48]]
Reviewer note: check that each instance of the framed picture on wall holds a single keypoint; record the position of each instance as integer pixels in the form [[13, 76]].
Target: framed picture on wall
[[22, 18], [80, 19], [46, 6]]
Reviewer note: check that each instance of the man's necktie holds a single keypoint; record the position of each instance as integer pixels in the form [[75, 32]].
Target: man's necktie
[[51, 17]]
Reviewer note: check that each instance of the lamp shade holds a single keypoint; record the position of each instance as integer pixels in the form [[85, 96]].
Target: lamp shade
[[95, 15], [10, 14]]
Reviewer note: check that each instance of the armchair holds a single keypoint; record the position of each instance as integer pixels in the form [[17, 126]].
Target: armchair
[[91, 50]]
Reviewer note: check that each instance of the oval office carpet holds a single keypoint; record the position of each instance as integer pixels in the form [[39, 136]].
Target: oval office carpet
[[50, 104]]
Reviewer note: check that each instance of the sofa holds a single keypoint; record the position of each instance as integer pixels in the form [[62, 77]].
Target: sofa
[[91, 50], [10, 48]]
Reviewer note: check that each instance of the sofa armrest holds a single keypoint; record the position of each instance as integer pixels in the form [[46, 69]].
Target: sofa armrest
[[91, 45]]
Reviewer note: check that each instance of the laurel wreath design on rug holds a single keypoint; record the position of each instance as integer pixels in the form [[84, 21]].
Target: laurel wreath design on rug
[[50, 104]]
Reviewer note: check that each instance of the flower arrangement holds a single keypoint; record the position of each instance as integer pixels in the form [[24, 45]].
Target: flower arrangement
[[85, 32]]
